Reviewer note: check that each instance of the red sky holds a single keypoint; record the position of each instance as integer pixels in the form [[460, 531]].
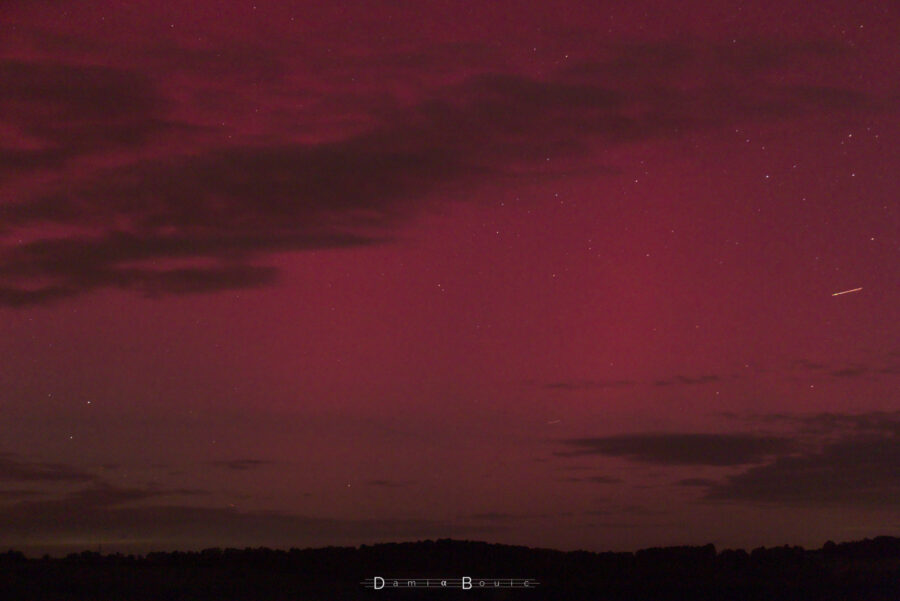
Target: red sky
[[556, 274]]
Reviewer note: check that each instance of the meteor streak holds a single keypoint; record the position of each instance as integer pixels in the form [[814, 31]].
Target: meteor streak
[[846, 292]]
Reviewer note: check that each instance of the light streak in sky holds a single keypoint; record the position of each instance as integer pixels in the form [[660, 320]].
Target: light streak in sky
[[846, 292]]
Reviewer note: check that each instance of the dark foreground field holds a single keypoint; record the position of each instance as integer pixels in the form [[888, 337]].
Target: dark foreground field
[[866, 570]]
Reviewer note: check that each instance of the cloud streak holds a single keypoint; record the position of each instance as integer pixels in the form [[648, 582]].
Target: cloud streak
[[111, 513], [14, 470], [97, 509], [682, 448]]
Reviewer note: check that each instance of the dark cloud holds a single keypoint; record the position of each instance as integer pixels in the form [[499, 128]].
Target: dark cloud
[[682, 449], [241, 465], [64, 110], [817, 460], [125, 194], [858, 471], [13, 470], [837, 459]]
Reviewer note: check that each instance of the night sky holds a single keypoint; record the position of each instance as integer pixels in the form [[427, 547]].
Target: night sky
[[547, 273]]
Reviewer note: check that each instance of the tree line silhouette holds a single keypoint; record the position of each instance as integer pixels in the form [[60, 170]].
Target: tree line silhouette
[[865, 570]]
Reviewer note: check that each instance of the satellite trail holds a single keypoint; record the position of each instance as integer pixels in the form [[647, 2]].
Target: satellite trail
[[846, 292]]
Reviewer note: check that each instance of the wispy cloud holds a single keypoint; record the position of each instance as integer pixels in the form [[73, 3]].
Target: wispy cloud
[[120, 180]]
